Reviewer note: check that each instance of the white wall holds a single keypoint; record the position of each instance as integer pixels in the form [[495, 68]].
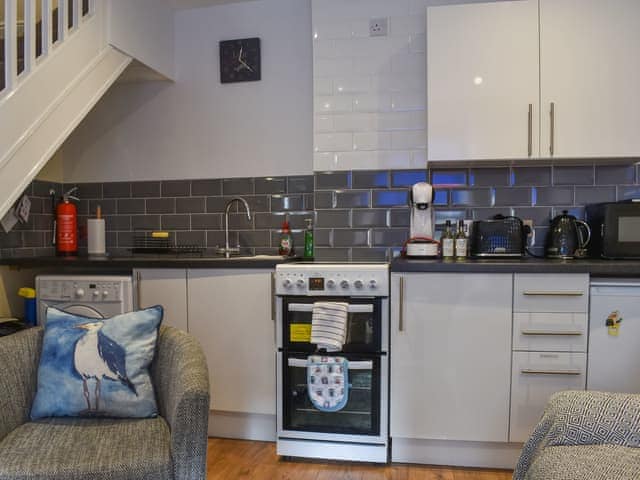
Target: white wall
[[143, 29], [370, 92], [198, 128]]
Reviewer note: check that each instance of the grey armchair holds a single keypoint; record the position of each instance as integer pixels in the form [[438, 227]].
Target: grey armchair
[[171, 446], [584, 435]]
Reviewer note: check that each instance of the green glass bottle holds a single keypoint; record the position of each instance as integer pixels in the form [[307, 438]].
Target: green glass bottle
[[308, 239]]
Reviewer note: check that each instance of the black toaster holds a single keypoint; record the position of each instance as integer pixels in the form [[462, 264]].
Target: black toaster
[[499, 237]]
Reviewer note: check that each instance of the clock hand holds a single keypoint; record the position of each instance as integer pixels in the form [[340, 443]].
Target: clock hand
[[246, 66], [240, 54]]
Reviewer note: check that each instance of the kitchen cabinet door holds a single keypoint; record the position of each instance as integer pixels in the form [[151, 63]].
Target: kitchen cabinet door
[[537, 376], [482, 81], [230, 313], [166, 287], [450, 356], [590, 72]]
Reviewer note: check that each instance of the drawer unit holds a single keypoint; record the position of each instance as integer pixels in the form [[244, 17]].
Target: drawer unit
[[550, 332], [551, 293], [535, 377]]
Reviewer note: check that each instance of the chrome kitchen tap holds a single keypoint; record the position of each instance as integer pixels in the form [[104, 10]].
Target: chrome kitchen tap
[[227, 251]]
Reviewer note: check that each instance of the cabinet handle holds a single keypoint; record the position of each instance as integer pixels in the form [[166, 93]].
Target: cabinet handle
[[552, 113], [530, 131], [401, 306], [531, 371], [551, 332], [139, 288], [273, 296], [543, 293]]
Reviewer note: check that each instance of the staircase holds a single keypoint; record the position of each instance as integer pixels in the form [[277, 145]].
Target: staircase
[[55, 68]]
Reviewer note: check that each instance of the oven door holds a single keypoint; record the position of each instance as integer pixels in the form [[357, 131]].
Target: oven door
[[364, 324], [358, 421]]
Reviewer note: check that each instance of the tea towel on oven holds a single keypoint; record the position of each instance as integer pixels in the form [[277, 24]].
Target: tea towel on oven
[[329, 325], [328, 382]]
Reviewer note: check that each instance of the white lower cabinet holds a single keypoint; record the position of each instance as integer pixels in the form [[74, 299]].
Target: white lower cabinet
[[450, 356], [535, 377], [230, 313], [166, 287]]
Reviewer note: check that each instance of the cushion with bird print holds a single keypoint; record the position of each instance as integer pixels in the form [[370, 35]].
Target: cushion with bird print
[[97, 367]]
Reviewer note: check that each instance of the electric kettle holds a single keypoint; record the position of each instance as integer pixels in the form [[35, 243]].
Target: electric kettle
[[568, 237]]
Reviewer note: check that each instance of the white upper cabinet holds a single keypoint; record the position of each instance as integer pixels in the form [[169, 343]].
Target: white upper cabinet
[[482, 81], [575, 62], [590, 72]]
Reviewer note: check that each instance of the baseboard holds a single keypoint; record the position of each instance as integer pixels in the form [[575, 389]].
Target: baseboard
[[245, 426], [453, 453]]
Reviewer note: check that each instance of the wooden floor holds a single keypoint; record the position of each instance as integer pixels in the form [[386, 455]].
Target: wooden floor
[[231, 459]]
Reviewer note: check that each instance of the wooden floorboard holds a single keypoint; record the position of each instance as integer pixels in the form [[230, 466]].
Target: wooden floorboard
[[231, 459]]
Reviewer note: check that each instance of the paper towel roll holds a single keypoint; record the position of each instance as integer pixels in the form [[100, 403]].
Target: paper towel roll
[[96, 236]]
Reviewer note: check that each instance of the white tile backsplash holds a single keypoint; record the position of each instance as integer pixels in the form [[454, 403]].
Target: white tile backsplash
[[372, 102], [333, 142], [369, 91], [333, 104], [323, 124], [372, 141], [354, 122]]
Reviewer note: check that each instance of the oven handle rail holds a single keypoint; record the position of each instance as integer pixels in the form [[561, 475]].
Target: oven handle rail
[[308, 307], [364, 365]]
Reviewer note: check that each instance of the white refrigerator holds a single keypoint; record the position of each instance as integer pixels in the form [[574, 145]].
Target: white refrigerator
[[614, 336]]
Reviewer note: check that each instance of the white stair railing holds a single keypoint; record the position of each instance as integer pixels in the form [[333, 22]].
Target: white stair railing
[[31, 30]]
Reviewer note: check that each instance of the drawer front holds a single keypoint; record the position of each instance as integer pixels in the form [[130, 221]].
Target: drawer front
[[550, 332], [535, 377], [551, 293]]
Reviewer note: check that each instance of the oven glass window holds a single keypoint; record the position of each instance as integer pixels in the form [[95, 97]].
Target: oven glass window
[[360, 415], [364, 324]]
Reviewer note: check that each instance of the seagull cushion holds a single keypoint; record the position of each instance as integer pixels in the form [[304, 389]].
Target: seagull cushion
[[97, 367]]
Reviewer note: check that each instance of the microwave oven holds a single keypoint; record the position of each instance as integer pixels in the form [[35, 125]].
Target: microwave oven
[[615, 229]]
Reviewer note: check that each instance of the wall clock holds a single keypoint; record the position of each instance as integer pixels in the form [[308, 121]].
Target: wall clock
[[240, 60]]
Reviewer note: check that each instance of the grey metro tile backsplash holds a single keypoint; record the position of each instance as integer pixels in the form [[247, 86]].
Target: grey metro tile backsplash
[[358, 215]]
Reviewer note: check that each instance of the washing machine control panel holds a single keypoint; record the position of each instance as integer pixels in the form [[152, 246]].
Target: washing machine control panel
[[80, 291]]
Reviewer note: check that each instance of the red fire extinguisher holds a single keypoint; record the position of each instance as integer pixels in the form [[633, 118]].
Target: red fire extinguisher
[[67, 225]]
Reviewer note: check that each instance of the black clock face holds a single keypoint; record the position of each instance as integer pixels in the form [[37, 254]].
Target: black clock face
[[240, 60]]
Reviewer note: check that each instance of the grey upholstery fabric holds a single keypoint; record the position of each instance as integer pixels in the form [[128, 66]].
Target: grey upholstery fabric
[[100, 449], [171, 446], [584, 432], [584, 462], [181, 379], [19, 358]]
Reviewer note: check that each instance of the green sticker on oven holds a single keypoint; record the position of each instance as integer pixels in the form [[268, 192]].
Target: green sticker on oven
[[300, 332]]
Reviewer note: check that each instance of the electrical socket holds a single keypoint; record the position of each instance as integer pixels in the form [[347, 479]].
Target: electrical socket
[[378, 27]]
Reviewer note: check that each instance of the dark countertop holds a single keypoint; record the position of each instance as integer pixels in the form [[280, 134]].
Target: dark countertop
[[121, 264], [124, 263], [595, 267]]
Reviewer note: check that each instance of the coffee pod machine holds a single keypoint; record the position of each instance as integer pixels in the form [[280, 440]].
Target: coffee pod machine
[[421, 243]]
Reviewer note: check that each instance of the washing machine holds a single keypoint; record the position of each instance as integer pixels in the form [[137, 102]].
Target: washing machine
[[92, 296]]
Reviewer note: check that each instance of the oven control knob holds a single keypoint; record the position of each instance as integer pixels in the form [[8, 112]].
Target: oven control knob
[[80, 292], [331, 283], [286, 283], [300, 283], [373, 284], [344, 284], [358, 284], [105, 294], [96, 293]]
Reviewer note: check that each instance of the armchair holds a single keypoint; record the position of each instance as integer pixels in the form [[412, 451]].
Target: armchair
[[584, 435], [171, 446]]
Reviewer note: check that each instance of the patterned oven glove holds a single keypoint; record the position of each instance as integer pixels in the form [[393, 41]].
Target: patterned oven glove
[[328, 382]]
